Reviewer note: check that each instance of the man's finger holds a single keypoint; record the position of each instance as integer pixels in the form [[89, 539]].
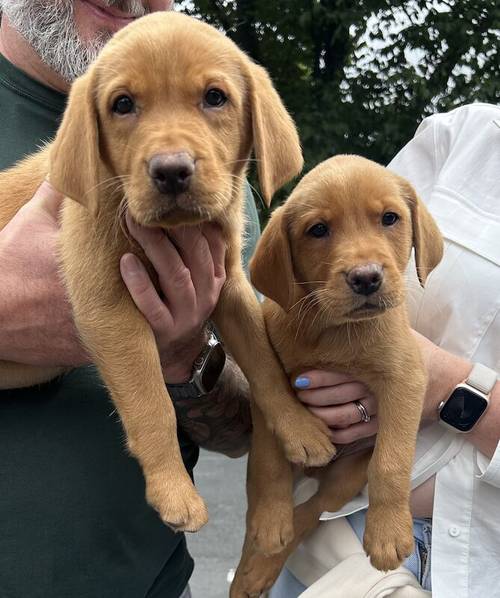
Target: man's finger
[[47, 199], [144, 293], [217, 245]]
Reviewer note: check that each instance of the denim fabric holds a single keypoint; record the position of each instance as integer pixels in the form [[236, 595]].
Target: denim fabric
[[419, 562], [287, 586]]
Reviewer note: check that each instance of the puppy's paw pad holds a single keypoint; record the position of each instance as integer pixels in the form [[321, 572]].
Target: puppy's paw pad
[[178, 504]]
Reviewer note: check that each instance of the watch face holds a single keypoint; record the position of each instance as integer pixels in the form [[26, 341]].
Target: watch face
[[463, 409], [213, 368]]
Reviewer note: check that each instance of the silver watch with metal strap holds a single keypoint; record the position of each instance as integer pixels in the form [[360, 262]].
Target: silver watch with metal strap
[[469, 400], [207, 369]]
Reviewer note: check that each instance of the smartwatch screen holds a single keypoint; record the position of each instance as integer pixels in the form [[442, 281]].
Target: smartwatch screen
[[213, 367], [463, 409]]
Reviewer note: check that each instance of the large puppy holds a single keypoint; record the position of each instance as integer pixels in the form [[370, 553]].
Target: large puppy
[[331, 262], [163, 124]]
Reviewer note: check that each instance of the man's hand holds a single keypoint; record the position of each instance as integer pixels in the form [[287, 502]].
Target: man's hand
[[331, 396], [189, 262], [35, 318]]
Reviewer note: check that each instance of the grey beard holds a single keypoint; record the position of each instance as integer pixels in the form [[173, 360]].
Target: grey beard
[[50, 29]]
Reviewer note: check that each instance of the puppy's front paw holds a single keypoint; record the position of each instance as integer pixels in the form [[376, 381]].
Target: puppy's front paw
[[177, 502], [388, 538], [306, 440], [270, 533]]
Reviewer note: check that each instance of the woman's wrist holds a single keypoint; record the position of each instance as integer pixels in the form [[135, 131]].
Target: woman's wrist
[[444, 372]]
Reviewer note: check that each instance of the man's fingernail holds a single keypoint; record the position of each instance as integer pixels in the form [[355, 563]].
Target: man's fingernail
[[302, 382], [130, 265]]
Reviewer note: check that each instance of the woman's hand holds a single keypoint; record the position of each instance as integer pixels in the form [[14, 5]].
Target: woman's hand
[[190, 264], [333, 397]]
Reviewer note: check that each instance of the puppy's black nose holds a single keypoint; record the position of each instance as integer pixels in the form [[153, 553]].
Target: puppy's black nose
[[171, 173], [365, 279]]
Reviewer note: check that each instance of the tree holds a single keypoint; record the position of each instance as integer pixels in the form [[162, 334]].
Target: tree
[[359, 76]]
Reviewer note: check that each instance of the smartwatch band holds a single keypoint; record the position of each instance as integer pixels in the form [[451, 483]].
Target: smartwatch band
[[482, 378]]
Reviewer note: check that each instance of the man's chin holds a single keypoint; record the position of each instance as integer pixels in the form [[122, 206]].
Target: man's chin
[[93, 19]]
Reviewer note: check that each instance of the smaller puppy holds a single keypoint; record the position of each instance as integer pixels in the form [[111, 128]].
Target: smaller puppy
[[331, 262]]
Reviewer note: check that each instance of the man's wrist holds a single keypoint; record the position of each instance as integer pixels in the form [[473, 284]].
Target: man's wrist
[[206, 371], [180, 369], [221, 420]]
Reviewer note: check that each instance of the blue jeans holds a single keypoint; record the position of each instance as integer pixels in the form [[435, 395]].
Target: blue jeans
[[419, 562]]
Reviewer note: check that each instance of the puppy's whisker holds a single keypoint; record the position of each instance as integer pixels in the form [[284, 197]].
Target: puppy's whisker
[[244, 160], [108, 183], [311, 282], [122, 209], [254, 190]]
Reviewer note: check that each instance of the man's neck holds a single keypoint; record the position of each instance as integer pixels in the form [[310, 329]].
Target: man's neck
[[17, 50]]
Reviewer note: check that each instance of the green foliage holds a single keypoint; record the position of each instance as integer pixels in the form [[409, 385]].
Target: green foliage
[[359, 76]]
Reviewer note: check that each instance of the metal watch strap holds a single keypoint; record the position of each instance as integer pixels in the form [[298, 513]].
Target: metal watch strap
[[184, 390], [482, 378], [190, 389]]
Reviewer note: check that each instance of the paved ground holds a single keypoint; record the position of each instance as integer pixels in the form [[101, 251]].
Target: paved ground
[[216, 548]]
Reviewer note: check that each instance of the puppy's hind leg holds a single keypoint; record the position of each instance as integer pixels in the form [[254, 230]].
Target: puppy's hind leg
[[339, 483], [269, 490]]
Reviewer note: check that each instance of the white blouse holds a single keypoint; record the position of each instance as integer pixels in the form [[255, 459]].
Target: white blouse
[[454, 163]]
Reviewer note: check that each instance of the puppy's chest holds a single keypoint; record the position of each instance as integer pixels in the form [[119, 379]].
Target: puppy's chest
[[322, 357], [334, 352]]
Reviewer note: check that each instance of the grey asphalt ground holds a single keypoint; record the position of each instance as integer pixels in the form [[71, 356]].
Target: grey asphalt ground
[[217, 547]]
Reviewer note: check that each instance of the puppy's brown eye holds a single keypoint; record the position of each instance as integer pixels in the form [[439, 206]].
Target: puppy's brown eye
[[215, 98], [319, 230], [123, 105], [389, 218]]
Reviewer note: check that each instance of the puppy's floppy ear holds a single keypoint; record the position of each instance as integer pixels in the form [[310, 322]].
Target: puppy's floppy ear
[[427, 239], [271, 267], [74, 159], [275, 138]]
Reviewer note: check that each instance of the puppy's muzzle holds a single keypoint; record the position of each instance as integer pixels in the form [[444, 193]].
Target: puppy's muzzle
[[171, 173], [365, 279]]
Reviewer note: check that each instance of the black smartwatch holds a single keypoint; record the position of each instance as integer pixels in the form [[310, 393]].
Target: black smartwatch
[[207, 369], [469, 400]]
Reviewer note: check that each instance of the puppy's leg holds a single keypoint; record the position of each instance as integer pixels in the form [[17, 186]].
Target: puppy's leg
[[388, 538], [269, 490], [339, 483], [123, 346], [125, 352], [239, 318]]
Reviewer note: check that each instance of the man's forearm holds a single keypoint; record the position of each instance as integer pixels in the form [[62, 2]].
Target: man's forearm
[[221, 420]]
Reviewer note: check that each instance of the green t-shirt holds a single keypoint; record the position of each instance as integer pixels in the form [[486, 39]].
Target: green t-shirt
[[73, 518]]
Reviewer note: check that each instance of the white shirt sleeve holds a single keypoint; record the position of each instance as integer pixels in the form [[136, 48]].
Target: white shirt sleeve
[[489, 468]]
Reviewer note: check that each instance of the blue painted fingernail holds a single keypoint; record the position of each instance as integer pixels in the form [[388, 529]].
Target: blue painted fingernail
[[302, 382]]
